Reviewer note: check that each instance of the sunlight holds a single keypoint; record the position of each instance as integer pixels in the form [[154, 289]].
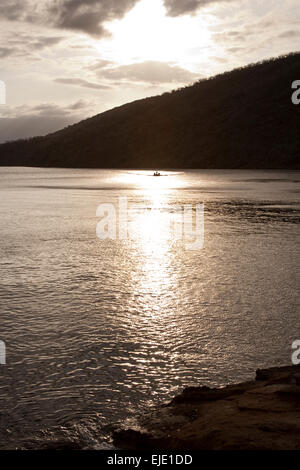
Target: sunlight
[[152, 218], [151, 230], [151, 223], [146, 180], [146, 33]]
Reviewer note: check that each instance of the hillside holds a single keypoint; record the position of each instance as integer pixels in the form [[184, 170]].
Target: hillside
[[240, 119]]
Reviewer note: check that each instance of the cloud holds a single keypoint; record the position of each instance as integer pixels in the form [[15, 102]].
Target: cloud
[[28, 121], [232, 36], [221, 60], [22, 45], [29, 126], [235, 49], [290, 34], [87, 16], [149, 72], [183, 7], [78, 105], [43, 109], [13, 10], [81, 82], [100, 64], [40, 42], [5, 52]]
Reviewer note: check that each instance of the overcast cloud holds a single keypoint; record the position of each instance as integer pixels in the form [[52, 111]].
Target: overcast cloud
[[29, 121], [149, 72], [183, 7], [88, 16]]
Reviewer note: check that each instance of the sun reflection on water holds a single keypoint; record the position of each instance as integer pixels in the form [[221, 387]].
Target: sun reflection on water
[[150, 223]]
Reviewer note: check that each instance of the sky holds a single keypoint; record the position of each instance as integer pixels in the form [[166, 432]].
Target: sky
[[66, 60]]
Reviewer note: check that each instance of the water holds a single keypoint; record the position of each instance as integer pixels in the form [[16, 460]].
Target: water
[[97, 331]]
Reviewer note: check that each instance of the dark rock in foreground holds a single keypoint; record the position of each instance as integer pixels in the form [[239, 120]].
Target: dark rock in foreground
[[262, 414]]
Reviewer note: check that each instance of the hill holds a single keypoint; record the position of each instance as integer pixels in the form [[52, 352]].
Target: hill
[[240, 119]]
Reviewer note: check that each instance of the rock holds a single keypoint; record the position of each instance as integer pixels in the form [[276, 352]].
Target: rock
[[262, 414]]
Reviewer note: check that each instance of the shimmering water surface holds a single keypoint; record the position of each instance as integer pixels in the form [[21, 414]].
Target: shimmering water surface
[[98, 330]]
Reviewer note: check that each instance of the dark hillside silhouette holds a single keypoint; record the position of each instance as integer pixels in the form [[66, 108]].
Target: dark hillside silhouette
[[240, 119]]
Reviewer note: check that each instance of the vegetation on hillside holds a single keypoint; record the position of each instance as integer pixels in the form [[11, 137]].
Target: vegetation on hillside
[[240, 119]]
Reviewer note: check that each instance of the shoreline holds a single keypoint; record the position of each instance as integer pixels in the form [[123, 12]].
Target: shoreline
[[262, 414]]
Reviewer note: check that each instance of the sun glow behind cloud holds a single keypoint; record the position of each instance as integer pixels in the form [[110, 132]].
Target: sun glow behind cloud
[[147, 33]]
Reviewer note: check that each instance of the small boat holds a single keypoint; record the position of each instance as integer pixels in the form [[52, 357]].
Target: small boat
[[156, 173]]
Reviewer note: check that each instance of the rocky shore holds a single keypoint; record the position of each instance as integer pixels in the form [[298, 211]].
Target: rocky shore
[[261, 414]]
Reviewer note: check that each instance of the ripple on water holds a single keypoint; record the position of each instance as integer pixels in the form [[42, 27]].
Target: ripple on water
[[96, 331]]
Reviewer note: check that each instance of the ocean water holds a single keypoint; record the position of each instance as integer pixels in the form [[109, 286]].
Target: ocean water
[[97, 331]]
